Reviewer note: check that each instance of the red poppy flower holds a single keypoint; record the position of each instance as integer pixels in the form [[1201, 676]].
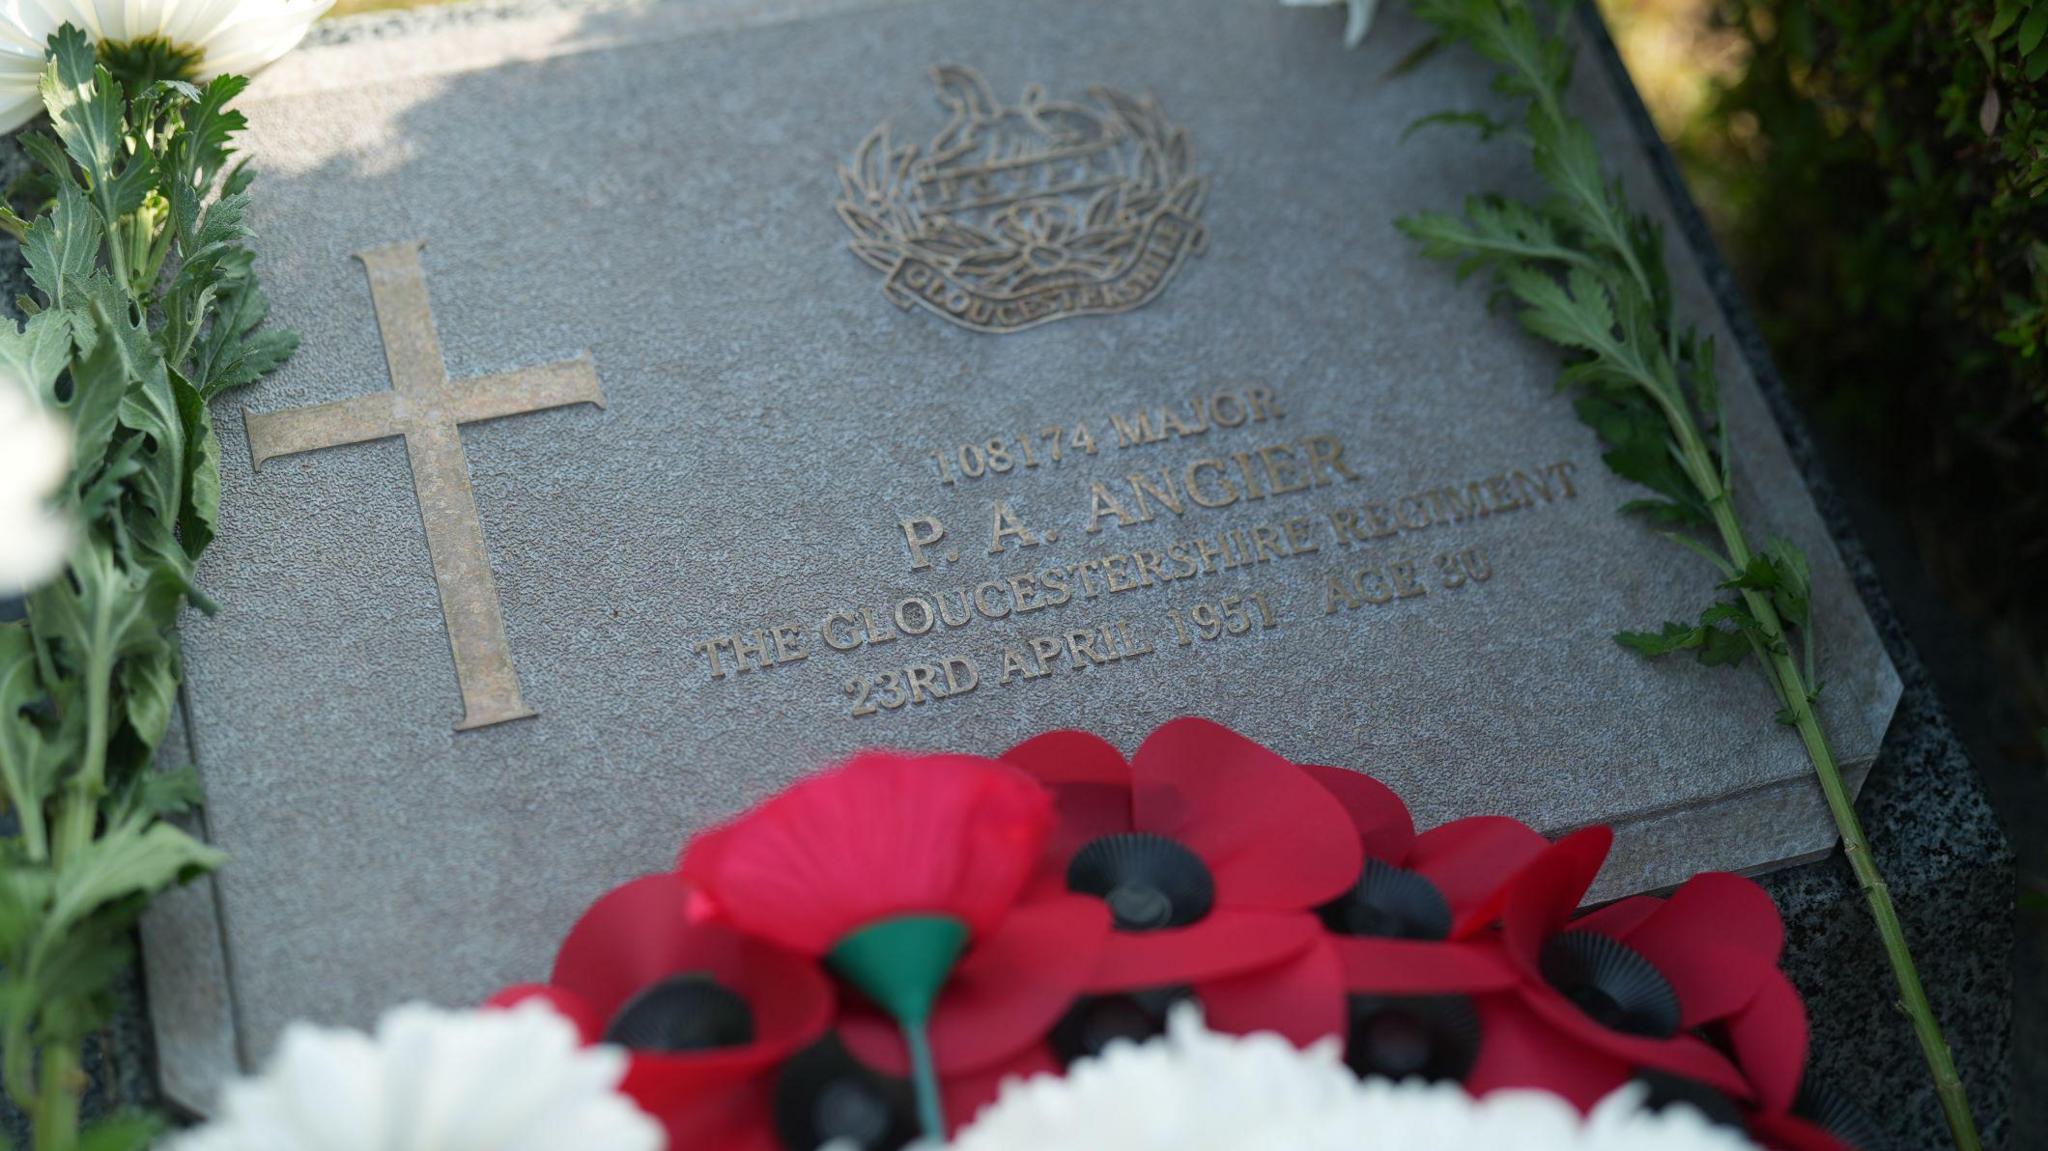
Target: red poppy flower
[[707, 1014], [1394, 972], [889, 868], [828, 1096], [1636, 980], [1296, 997], [1819, 1123], [880, 837], [1210, 851], [1400, 938], [1446, 883], [729, 1037], [1005, 997], [1520, 1049]]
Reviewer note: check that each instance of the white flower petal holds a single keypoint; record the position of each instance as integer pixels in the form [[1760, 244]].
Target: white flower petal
[[1194, 1090], [433, 1080], [35, 457], [239, 36], [1357, 20]]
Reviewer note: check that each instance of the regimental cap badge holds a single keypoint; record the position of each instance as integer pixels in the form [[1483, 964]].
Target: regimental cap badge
[[1016, 216]]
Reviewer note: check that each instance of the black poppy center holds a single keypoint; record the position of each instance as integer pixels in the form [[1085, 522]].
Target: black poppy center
[[1389, 902], [1432, 1037], [1839, 1116], [1666, 1089], [824, 1095], [1609, 981], [1148, 881], [691, 1012], [1096, 1021]]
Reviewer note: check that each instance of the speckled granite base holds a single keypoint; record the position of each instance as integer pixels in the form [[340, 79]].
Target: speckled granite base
[[1927, 818]]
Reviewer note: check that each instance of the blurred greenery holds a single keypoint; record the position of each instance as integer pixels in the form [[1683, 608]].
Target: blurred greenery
[[1878, 172]]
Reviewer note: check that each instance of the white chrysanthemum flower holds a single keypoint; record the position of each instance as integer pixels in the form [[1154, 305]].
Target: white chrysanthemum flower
[[434, 1080], [210, 37], [35, 455], [1357, 21], [1196, 1090]]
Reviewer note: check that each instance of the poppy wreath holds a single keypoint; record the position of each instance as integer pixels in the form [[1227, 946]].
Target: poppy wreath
[[867, 956]]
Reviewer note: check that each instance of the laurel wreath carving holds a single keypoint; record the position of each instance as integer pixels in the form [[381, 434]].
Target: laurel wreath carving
[[1036, 242]]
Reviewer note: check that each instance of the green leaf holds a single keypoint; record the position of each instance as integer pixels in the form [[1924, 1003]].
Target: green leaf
[[210, 126], [1569, 161], [85, 109], [214, 258], [1485, 125], [99, 381], [1760, 575], [148, 679], [201, 511], [122, 1133], [2033, 30], [106, 611], [1492, 231], [1721, 647], [1794, 594], [1414, 58], [30, 757], [234, 354], [1639, 446], [2007, 15], [150, 408], [1674, 637], [167, 792], [24, 898], [1552, 312], [36, 352], [137, 857], [1664, 513], [74, 992], [52, 166], [1712, 643], [63, 246]]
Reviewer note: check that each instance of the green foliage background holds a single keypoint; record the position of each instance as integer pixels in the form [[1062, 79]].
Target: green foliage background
[[1878, 170]]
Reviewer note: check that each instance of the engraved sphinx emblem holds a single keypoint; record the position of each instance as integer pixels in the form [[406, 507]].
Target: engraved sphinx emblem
[[1019, 215]]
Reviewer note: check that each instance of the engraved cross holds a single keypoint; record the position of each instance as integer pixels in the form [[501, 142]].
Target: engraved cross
[[428, 409]]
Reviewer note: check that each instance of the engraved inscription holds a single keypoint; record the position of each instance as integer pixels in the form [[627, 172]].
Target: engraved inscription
[[1015, 216], [428, 409], [1217, 487]]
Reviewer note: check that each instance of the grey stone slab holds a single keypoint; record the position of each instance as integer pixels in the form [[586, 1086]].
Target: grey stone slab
[[654, 187]]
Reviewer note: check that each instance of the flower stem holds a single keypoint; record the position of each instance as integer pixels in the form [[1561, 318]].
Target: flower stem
[[1948, 1085], [54, 1118], [1797, 696], [924, 1080], [80, 809], [1606, 255]]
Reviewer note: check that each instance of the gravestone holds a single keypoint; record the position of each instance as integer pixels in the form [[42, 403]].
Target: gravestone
[[693, 394]]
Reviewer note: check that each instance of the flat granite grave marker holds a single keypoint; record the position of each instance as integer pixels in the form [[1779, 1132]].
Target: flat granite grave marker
[[1095, 391]]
